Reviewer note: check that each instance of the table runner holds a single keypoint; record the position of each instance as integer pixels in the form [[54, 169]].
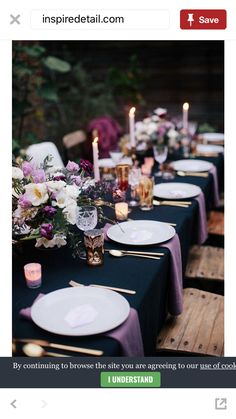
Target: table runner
[[128, 334]]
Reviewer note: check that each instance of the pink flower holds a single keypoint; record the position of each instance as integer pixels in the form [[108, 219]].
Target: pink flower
[[72, 166], [39, 176], [76, 180], [24, 202], [27, 168]]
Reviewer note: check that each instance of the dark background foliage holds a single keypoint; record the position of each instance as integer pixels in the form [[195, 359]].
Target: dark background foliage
[[59, 86]]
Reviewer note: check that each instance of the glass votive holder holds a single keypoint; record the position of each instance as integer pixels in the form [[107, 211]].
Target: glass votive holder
[[33, 275], [121, 211], [146, 170], [149, 161], [94, 244], [146, 186], [122, 173]]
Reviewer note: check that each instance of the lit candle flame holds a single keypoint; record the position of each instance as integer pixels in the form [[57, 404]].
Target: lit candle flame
[[132, 111], [95, 141], [186, 106]]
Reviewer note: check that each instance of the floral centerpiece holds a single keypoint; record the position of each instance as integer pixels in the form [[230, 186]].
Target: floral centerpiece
[[45, 201], [156, 128]]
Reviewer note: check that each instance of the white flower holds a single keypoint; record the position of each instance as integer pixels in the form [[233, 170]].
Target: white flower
[[72, 191], [172, 133], [58, 240], [70, 212], [17, 173], [88, 183], [55, 185], [62, 199], [151, 128], [160, 111], [36, 193]]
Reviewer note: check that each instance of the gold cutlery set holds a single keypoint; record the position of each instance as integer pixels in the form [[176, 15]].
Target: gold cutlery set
[[196, 174], [181, 204]]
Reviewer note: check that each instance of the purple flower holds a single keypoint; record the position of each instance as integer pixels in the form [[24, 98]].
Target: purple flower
[[76, 180], [59, 177], [72, 166], [38, 176], [86, 166], [49, 211], [24, 202], [27, 168], [46, 231]]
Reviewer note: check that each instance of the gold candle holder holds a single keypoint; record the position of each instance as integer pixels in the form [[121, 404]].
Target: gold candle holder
[[146, 193], [94, 244]]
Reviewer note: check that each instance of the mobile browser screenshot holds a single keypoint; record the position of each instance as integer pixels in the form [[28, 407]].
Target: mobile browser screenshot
[[118, 209]]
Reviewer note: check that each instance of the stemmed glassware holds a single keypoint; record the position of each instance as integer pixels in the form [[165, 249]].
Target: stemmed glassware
[[160, 152], [86, 219], [134, 179]]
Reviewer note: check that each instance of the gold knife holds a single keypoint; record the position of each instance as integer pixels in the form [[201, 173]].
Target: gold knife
[[124, 290]]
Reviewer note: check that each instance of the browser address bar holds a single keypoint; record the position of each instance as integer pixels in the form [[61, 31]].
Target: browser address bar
[[99, 19]]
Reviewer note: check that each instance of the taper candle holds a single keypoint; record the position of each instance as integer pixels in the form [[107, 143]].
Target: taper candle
[[95, 160], [185, 115], [132, 127]]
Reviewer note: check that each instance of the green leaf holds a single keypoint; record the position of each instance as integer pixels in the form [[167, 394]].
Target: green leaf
[[56, 64], [48, 93], [34, 51]]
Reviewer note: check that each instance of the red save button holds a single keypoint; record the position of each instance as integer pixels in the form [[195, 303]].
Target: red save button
[[203, 19]]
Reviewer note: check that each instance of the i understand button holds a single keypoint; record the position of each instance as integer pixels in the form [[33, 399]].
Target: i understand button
[[203, 19], [130, 379]]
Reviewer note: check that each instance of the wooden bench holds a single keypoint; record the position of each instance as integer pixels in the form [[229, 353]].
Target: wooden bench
[[205, 262], [199, 329], [215, 223]]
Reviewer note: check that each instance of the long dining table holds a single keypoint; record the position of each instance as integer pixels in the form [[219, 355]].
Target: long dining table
[[149, 278]]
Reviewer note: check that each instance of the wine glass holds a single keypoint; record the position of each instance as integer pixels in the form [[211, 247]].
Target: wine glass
[[160, 152], [86, 219], [134, 179]]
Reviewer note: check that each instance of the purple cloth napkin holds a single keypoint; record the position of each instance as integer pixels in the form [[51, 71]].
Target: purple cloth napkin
[[175, 297], [128, 334], [216, 197], [202, 219]]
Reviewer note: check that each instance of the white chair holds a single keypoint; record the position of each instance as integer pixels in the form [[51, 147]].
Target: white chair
[[39, 151]]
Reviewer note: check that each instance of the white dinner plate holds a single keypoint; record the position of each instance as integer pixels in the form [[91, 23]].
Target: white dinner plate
[[109, 163], [213, 136], [190, 165], [141, 232], [210, 148], [176, 190], [51, 311]]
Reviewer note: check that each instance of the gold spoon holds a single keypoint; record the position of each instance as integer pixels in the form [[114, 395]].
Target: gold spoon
[[119, 254], [33, 350]]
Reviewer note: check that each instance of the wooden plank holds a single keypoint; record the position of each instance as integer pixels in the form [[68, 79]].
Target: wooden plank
[[207, 323], [206, 262], [215, 223], [216, 344], [195, 321], [212, 263], [171, 333], [194, 258], [200, 328]]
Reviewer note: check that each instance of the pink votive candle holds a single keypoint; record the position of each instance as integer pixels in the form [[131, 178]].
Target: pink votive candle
[[33, 275]]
